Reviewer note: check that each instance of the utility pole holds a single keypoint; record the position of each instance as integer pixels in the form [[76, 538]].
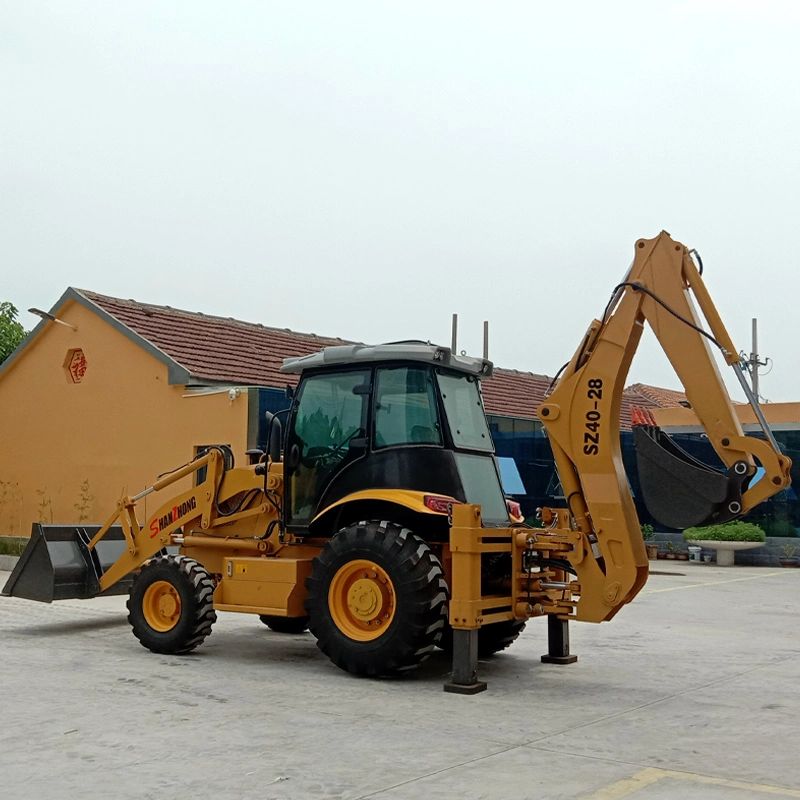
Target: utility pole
[[753, 361]]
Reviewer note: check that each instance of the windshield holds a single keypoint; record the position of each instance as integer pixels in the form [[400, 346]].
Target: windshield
[[464, 409]]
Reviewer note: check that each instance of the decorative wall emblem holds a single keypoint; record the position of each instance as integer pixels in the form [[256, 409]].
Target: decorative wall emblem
[[76, 365]]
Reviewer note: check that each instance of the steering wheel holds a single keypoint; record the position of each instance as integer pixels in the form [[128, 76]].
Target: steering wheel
[[328, 455]]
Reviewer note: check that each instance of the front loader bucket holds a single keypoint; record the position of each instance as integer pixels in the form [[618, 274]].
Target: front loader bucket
[[58, 565], [680, 491]]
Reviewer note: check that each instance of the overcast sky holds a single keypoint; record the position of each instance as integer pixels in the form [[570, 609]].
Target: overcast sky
[[364, 170]]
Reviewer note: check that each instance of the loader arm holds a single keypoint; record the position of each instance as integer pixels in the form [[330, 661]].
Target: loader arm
[[196, 509], [582, 414]]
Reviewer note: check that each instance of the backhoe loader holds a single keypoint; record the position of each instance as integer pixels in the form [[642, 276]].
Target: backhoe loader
[[376, 517]]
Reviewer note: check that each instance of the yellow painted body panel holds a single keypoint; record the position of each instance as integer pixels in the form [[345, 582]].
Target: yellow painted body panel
[[274, 586]]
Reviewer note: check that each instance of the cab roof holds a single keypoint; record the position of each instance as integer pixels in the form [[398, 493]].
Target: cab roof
[[358, 354]]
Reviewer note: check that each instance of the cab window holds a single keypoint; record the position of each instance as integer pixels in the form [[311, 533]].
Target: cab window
[[330, 415], [465, 416], [405, 407]]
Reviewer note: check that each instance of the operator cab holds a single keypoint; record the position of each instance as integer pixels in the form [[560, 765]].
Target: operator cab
[[405, 416]]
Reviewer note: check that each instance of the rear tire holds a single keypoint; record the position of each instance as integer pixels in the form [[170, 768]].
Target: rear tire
[[171, 605], [491, 638], [285, 624], [377, 599]]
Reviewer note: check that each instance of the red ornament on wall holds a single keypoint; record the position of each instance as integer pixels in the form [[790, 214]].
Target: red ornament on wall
[[77, 366]]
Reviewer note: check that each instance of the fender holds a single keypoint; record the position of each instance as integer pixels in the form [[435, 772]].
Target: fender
[[413, 501]]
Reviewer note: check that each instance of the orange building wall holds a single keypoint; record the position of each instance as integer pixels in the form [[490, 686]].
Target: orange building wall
[[119, 428], [775, 414]]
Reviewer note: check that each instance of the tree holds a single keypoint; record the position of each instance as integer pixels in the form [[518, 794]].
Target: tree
[[11, 331]]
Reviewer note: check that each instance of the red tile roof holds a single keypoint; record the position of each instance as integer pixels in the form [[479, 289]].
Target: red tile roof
[[517, 394], [227, 350], [663, 398], [214, 349]]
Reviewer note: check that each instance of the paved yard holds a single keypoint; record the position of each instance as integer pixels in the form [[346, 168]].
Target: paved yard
[[692, 692]]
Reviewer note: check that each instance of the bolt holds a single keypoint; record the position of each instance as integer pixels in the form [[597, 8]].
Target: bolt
[[726, 441], [640, 245], [545, 412], [383, 580], [776, 480], [374, 574], [677, 247]]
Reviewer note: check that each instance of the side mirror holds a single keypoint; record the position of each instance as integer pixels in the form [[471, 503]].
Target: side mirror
[[289, 392], [274, 436]]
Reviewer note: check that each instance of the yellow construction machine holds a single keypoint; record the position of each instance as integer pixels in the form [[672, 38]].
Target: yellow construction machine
[[376, 516]]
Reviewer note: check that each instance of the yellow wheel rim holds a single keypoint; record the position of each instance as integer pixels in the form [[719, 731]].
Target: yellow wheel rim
[[161, 606], [362, 600]]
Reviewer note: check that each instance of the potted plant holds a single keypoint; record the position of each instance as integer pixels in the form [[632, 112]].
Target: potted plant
[[788, 559], [652, 548], [727, 538], [672, 551]]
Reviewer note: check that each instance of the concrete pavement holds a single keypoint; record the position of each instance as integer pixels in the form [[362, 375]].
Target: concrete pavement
[[693, 691]]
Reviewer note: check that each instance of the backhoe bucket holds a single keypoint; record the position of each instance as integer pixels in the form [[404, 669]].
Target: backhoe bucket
[[58, 565], [680, 491]]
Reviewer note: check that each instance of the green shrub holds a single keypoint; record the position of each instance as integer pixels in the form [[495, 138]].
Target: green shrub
[[729, 532], [780, 527], [647, 531], [12, 548]]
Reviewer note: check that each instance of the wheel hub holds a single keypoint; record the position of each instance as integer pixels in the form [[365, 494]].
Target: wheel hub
[[362, 600], [161, 606]]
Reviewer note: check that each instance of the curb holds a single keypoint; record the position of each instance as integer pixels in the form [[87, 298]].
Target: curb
[[7, 563]]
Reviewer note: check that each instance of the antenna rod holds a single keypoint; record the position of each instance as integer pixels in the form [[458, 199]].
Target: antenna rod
[[754, 357], [454, 340], [486, 340], [753, 363]]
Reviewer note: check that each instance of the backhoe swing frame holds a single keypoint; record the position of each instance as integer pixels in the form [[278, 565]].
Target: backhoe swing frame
[[599, 534]]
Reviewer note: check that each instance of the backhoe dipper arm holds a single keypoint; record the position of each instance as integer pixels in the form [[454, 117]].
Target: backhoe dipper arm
[[581, 417]]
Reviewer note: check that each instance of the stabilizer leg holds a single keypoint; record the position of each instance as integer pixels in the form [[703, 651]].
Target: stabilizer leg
[[465, 664], [558, 642]]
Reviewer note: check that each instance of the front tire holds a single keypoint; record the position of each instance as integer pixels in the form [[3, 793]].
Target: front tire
[[171, 605], [377, 599]]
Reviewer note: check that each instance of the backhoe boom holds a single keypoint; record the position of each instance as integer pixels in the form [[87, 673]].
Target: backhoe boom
[[582, 414]]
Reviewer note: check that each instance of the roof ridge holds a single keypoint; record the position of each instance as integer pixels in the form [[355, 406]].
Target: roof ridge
[[89, 295], [511, 371]]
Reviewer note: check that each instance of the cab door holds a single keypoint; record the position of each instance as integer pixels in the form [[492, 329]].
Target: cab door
[[327, 432]]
